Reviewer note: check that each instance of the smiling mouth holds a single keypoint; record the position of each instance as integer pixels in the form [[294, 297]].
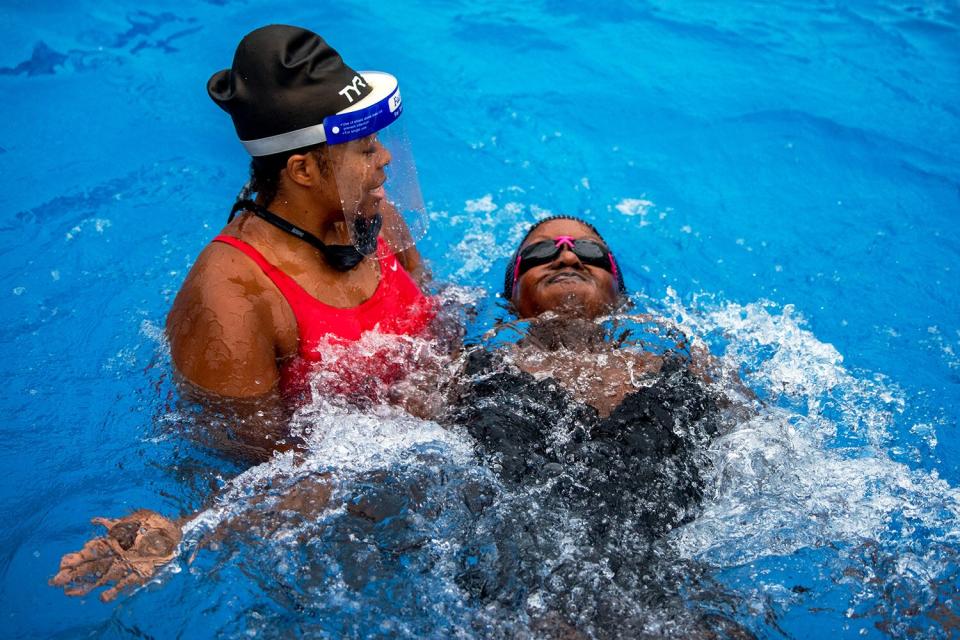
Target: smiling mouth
[[564, 276], [378, 192]]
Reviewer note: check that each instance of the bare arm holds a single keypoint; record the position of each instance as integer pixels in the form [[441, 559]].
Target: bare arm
[[135, 547], [223, 341]]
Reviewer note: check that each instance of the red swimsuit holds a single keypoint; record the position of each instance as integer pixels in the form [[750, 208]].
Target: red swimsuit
[[397, 307]]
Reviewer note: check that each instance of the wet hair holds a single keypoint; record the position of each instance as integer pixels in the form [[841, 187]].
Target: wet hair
[[509, 276], [265, 172]]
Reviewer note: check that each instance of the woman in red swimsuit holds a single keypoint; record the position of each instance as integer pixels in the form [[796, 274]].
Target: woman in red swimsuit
[[319, 254]]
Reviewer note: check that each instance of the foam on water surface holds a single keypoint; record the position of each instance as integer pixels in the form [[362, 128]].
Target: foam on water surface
[[810, 471], [815, 469]]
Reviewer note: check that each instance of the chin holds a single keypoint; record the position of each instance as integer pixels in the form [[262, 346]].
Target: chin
[[574, 299], [369, 208], [575, 306], [583, 306]]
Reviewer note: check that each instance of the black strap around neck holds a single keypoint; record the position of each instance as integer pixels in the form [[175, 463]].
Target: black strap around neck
[[342, 257]]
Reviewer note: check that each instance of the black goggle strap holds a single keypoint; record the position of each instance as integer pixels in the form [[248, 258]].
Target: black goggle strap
[[342, 258]]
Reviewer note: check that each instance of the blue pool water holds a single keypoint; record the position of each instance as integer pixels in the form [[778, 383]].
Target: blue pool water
[[782, 178]]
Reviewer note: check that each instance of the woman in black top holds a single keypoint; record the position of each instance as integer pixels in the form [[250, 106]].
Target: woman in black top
[[604, 445], [597, 450]]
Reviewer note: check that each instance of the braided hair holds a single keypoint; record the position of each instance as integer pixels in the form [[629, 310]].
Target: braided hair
[[265, 173], [510, 277]]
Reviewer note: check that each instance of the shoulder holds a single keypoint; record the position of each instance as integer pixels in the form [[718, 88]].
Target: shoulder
[[222, 280], [224, 326], [220, 262]]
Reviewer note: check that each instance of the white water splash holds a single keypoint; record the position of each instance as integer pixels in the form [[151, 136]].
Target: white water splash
[[480, 205], [341, 441], [777, 488], [817, 472], [341, 437], [99, 226], [811, 470], [489, 233]]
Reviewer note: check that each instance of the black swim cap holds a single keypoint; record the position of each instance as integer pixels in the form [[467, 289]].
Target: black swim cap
[[508, 279], [284, 79]]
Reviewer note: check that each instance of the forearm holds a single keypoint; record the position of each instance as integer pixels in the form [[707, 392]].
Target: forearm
[[234, 511]]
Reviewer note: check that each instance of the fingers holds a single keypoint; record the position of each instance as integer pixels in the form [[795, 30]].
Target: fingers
[[105, 560], [85, 573], [106, 522], [127, 582], [62, 578], [112, 573], [82, 567], [68, 570], [71, 560], [67, 576], [94, 556], [93, 575], [82, 590], [94, 578]]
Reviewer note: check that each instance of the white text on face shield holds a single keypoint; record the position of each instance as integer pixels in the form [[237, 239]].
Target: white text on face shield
[[354, 86]]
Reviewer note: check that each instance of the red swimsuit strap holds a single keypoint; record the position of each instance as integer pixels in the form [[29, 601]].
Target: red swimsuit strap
[[397, 307], [302, 302], [296, 296]]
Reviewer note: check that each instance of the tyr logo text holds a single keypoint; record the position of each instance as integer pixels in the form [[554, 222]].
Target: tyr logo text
[[354, 86]]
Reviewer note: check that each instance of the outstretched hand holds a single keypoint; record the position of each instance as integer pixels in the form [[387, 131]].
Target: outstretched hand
[[134, 547]]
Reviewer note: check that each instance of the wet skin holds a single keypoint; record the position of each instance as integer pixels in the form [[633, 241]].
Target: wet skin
[[230, 328], [563, 297], [565, 284], [594, 371], [137, 545], [132, 550], [600, 376]]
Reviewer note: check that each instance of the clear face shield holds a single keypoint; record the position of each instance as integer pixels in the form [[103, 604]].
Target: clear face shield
[[374, 171]]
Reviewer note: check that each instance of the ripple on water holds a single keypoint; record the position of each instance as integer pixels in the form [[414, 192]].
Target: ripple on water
[[422, 535]]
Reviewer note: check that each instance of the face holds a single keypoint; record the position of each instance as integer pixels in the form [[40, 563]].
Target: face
[[565, 285], [358, 174]]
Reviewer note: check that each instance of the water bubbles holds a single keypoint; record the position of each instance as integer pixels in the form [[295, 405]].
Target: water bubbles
[[481, 205], [635, 207], [814, 469], [487, 238], [517, 514], [99, 226]]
